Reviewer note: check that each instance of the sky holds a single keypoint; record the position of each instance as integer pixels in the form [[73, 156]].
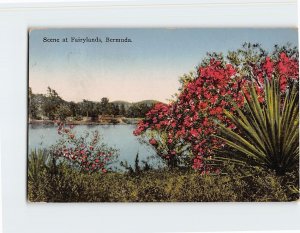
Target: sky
[[147, 68]]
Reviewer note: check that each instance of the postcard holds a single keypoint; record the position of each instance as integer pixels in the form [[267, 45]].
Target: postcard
[[163, 115]]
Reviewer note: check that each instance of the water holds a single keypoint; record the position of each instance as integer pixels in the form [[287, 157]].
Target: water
[[118, 136]]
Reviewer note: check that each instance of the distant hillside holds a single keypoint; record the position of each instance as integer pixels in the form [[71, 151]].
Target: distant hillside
[[128, 104], [120, 102], [148, 102]]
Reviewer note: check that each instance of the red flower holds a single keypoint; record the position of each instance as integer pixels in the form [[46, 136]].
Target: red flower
[[152, 141], [194, 133]]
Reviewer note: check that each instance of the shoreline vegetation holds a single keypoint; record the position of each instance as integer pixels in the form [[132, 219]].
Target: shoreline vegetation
[[50, 107], [108, 120]]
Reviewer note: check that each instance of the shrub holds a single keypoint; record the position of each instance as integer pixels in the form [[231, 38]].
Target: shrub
[[83, 152], [268, 134], [182, 132], [37, 161], [114, 121], [56, 185], [78, 118]]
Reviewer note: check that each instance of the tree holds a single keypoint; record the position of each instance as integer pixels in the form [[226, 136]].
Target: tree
[[144, 109], [51, 103], [33, 105], [122, 110], [74, 108], [138, 109], [115, 109], [97, 108], [86, 107], [104, 106], [63, 111]]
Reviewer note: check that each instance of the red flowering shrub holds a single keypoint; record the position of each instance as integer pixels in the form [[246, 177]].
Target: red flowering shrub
[[84, 152], [283, 68], [182, 132]]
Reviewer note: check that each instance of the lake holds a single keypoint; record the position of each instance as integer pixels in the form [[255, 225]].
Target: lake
[[118, 136]]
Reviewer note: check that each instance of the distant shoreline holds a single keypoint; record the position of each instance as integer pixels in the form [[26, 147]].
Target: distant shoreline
[[119, 121]]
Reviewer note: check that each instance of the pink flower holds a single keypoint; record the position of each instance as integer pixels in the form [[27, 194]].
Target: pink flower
[[194, 133], [152, 141]]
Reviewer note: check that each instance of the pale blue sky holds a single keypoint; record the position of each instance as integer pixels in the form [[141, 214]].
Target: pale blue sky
[[147, 68]]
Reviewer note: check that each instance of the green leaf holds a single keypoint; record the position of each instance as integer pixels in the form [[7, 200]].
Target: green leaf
[[267, 133]]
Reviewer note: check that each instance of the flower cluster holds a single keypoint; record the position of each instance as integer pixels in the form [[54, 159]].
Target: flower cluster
[[87, 153], [282, 67], [191, 119], [187, 126]]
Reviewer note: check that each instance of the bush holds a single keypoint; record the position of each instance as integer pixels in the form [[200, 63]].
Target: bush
[[268, 134], [78, 118], [85, 152], [114, 121]]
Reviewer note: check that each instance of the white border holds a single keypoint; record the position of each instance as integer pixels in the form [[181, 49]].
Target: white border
[[166, 13], [19, 216]]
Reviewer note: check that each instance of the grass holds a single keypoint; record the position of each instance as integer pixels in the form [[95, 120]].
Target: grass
[[64, 184]]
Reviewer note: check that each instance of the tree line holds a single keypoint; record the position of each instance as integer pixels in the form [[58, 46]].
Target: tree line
[[51, 106]]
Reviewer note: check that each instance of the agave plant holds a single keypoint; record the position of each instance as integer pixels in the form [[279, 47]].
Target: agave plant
[[37, 161], [267, 134]]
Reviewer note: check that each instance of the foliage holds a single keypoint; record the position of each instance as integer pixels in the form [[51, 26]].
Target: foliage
[[86, 107], [63, 111], [48, 180], [53, 107], [182, 132], [113, 121], [105, 106], [69, 185], [137, 169], [268, 134], [38, 160], [33, 109], [88, 154], [52, 103], [138, 109]]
